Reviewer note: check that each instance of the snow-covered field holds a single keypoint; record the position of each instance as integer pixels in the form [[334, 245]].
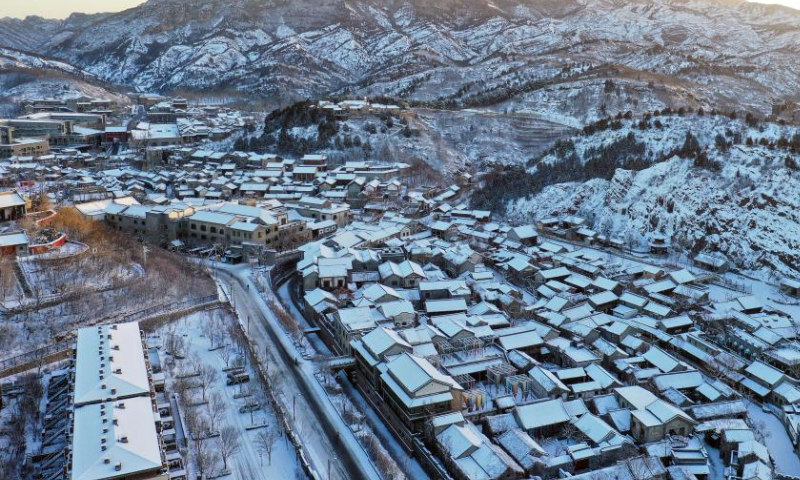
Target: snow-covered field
[[54, 278], [251, 461]]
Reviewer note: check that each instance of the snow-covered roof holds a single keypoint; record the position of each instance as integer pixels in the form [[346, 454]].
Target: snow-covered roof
[[115, 439], [765, 373], [110, 363], [13, 239], [540, 414], [11, 199], [446, 305]]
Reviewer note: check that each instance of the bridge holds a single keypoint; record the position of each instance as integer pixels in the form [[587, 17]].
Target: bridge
[[344, 362]]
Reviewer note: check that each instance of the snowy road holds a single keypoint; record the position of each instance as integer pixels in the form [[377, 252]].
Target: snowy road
[[411, 467], [327, 440], [777, 441]]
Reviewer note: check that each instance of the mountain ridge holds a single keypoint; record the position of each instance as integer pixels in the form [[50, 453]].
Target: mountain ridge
[[422, 50]]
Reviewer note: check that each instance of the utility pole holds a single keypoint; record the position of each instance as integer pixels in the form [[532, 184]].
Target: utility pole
[[329, 465], [294, 406]]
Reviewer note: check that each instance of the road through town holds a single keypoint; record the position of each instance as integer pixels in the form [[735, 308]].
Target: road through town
[[327, 440]]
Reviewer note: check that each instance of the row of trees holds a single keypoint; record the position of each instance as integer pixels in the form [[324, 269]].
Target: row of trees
[[21, 423], [507, 183], [213, 439]]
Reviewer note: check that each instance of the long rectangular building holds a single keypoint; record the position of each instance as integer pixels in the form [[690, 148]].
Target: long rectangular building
[[116, 425]]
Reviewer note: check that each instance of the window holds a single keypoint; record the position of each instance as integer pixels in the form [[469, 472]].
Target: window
[[202, 228], [194, 226], [214, 230]]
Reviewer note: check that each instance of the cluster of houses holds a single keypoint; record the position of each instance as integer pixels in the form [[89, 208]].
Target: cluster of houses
[[505, 352], [175, 123], [358, 108], [510, 353], [108, 415], [210, 204], [154, 126], [35, 134]]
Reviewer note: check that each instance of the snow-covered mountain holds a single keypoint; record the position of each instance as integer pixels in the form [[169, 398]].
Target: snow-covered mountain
[[26, 76], [516, 53], [732, 187]]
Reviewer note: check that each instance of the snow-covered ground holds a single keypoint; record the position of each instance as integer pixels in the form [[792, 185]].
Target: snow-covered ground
[[54, 278], [251, 462]]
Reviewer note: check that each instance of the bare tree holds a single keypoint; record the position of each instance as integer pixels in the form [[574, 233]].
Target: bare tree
[[198, 428], [760, 429], [225, 353], [206, 376], [205, 457], [173, 343], [216, 410], [229, 444], [267, 438]]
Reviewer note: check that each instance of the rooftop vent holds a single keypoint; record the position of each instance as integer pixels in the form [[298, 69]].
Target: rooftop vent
[[123, 439], [118, 466]]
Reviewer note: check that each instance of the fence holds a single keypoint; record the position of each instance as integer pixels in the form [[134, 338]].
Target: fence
[[169, 307], [54, 351], [35, 356]]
